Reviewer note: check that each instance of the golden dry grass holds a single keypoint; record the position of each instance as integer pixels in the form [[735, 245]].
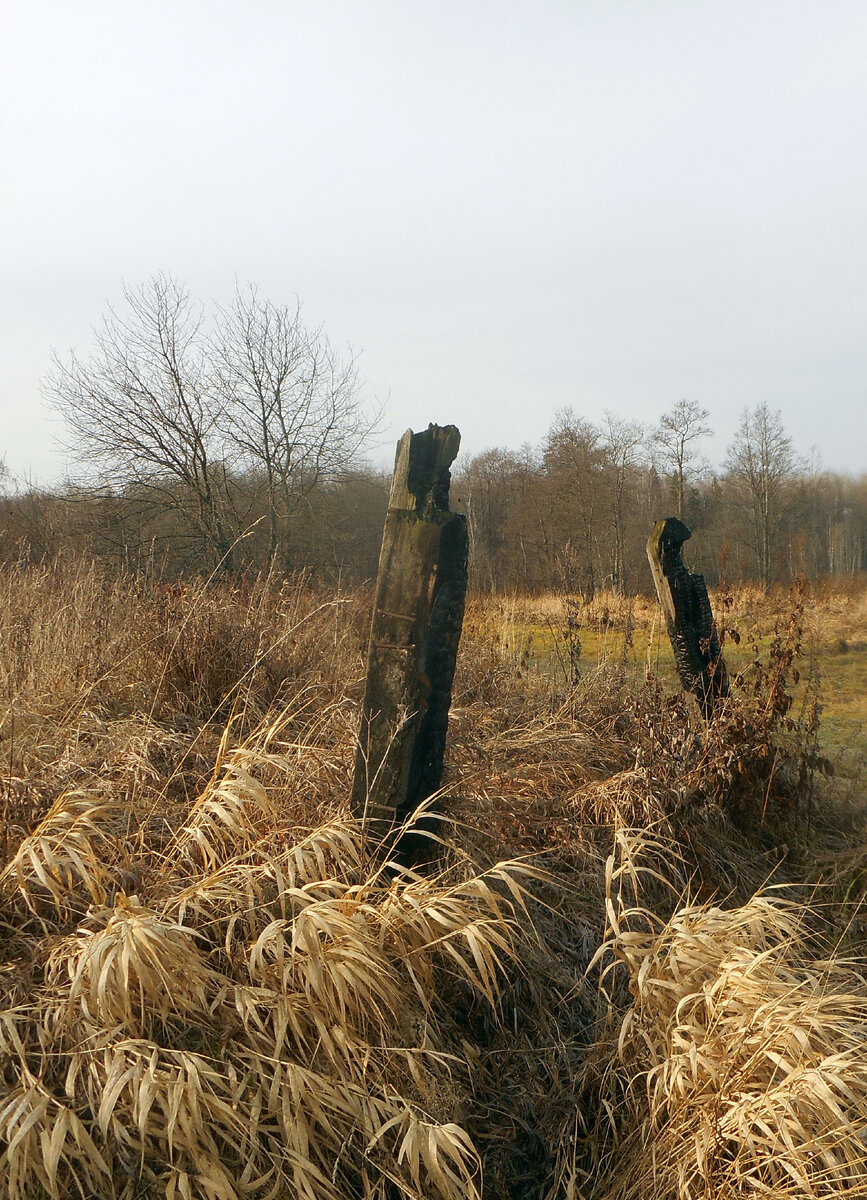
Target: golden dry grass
[[210, 985], [737, 1069], [260, 1018]]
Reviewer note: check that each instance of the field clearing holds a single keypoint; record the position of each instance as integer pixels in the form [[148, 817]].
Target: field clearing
[[557, 635], [636, 933]]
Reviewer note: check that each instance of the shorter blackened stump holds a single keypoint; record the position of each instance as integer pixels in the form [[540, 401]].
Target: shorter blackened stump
[[417, 618], [688, 616]]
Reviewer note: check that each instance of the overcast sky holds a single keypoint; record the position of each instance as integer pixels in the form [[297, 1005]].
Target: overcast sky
[[504, 208]]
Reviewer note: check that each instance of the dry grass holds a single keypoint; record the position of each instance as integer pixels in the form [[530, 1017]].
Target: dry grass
[[211, 986], [567, 637], [260, 1018], [111, 683], [738, 1067]]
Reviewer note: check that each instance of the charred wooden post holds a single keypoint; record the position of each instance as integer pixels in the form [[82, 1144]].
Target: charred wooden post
[[417, 618], [688, 615]]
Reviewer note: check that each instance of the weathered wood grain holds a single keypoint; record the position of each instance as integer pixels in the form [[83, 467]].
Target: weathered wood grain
[[415, 631]]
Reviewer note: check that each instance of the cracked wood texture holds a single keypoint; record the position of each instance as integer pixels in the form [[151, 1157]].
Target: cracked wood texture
[[688, 616], [417, 618]]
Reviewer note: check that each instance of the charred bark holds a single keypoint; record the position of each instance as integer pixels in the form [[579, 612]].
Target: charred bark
[[688, 616]]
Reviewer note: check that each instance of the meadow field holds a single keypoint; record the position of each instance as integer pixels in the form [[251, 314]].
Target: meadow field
[[826, 625], [630, 965]]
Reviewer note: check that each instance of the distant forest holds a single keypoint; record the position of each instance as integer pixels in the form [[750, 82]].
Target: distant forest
[[575, 513], [572, 514], [230, 442]]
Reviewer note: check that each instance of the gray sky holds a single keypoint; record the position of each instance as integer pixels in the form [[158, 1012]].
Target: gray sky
[[504, 208]]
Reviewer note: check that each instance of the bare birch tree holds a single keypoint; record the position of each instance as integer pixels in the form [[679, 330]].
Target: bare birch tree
[[573, 455], [621, 442]]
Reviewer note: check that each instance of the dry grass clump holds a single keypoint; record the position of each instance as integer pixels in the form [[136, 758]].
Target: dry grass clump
[[86, 636], [264, 1016], [738, 1068], [523, 734], [66, 862], [109, 675]]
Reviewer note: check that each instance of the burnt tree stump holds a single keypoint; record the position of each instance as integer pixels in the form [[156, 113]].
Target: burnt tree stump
[[417, 618], [688, 616]]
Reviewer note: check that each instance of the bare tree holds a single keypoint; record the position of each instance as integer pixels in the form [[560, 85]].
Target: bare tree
[[621, 442], [290, 408], [574, 460], [142, 414], [207, 421], [482, 488], [760, 465], [673, 439]]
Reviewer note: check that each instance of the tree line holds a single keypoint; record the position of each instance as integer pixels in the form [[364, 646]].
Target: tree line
[[575, 512], [231, 439]]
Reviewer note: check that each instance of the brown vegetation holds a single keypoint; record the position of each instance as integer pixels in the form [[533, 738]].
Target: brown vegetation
[[212, 987]]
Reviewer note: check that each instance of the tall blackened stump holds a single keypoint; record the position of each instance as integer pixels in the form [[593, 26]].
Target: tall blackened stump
[[417, 618], [688, 616]]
